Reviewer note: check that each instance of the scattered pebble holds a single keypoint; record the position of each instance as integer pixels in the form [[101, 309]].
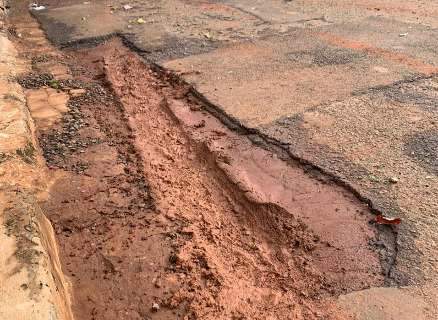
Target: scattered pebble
[[36, 7], [393, 180], [155, 307]]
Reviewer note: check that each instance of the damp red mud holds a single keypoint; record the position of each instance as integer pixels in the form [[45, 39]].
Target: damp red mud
[[162, 212]]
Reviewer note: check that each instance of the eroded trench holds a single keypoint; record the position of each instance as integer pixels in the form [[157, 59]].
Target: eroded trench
[[162, 212]]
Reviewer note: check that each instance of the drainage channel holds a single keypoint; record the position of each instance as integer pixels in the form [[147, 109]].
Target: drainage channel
[[162, 212]]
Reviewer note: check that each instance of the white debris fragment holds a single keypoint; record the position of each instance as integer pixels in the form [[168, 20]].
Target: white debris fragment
[[155, 307], [127, 7], [36, 7], [393, 180]]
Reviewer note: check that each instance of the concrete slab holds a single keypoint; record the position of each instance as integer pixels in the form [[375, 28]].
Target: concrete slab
[[413, 44], [280, 12], [320, 12], [177, 27], [261, 81], [80, 20]]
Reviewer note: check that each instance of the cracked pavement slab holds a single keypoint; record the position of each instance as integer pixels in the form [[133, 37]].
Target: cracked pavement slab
[[349, 87]]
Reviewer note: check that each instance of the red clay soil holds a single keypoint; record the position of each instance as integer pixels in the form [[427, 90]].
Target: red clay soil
[[162, 212]]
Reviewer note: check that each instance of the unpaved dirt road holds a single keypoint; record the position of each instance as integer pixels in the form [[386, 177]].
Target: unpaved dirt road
[[166, 207]]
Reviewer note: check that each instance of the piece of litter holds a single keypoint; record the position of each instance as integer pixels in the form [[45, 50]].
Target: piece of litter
[[36, 7], [380, 219], [127, 7], [140, 21]]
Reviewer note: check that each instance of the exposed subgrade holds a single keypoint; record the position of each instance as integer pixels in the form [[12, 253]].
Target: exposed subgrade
[[161, 210]]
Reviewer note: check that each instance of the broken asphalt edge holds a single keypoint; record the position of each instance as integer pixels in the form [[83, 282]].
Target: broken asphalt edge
[[32, 285], [257, 137]]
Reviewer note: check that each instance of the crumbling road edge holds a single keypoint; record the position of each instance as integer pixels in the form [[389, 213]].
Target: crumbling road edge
[[32, 285]]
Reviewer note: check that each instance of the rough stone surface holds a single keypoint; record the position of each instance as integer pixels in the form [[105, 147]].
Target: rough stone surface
[[46, 105]]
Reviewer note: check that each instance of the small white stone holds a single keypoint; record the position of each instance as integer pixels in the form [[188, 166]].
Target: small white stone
[[155, 307], [393, 180]]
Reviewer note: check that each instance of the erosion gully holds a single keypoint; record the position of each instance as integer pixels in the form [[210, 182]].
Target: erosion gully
[[163, 212]]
